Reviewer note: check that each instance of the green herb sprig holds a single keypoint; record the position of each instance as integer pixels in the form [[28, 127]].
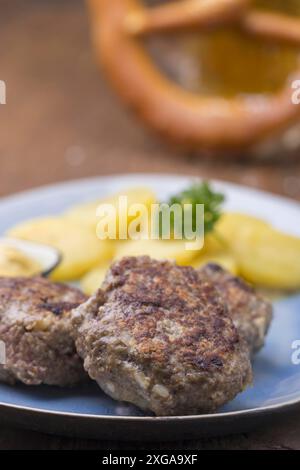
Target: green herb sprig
[[201, 193]]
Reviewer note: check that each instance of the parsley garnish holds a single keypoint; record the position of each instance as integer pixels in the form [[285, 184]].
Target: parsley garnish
[[200, 193]]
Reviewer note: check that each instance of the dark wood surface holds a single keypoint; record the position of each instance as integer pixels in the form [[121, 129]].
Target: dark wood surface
[[61, 122]]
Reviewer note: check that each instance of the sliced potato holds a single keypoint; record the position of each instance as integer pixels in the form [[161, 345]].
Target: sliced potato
[[79, 246], [86, 213], [268, 257], [225, 260], [213, 244], [216, 250], [158, 249], [231, 223], [264, 256], [93, 279]]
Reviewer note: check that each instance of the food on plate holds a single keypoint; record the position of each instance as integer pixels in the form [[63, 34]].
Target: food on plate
[[176, 249], [93, 279], [200, 193], [158, 249], [86, 213], [80, 248], [251, 313], [36, 330], [217, 251], [159, 337], [224, 86], [230, 223], [242, 244], [23, 258], [268, 257], [14, 262], [225, 260], [264, 255]]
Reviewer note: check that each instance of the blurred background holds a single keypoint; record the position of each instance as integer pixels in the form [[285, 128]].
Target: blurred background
[[62, 120]]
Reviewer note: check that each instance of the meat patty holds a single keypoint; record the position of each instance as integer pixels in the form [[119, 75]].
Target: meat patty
[[35, 327], [251, 313], [159, 337]]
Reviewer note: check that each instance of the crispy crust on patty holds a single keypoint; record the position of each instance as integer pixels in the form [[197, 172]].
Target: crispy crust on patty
[[35, 327], [159, 337], [251, 313]]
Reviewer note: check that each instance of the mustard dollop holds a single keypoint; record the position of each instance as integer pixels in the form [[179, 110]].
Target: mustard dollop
[[14, 262]]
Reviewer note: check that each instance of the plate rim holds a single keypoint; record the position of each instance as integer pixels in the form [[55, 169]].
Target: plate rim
[[116, 176], [165, 419]]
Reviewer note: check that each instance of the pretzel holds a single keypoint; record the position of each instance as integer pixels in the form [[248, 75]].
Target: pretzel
[[181, 116]]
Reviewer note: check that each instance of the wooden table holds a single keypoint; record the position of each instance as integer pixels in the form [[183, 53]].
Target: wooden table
[[61, 122]]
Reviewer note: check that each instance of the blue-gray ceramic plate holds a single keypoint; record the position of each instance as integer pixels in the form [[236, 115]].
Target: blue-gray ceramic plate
[[86, 411]]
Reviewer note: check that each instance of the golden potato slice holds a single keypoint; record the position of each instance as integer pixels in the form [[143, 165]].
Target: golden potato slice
[[268, 257], [216, 251], [79, 246], [231, 222], [225, 260], [264, 256], [86, 213], [213, 244], [93, 279], [158, 249]]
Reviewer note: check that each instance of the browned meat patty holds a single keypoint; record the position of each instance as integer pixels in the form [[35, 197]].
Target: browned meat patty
[[35, 328], [251, 313], [161, 338]]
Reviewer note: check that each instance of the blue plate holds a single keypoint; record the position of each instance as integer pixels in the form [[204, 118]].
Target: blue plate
[[87, 411]]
